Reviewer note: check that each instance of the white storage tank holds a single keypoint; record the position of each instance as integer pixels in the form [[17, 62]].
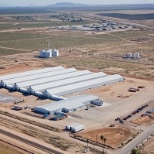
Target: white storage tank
[[55, 53], [136, 55], [42, 53], [129, 55], [48, 53]]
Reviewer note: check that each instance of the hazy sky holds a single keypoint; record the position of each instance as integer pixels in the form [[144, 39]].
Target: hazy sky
[[47, 2]]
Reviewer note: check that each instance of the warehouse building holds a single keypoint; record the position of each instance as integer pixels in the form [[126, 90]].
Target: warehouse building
[[31, 78], [67, 89], [54, 82], [25, 76], [68, 105], [48, 79], [49, 85], [27, 73]]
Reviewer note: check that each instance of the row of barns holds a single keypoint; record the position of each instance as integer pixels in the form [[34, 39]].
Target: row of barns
[[54, 82]]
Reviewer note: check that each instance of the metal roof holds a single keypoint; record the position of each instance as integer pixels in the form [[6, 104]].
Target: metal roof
[[17, 75], [84, 85], [49, 85], [52, 78], [70, 103], [38, 76]]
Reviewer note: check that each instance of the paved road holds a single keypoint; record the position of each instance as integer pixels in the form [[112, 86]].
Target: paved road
[[139, 139], [121, 22], [37, 145], [137, 25]]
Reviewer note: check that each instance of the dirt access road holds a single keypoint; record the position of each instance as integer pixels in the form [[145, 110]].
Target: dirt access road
[[26, 142]]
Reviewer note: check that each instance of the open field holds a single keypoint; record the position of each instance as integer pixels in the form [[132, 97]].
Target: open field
[[21, 25], [130, 17], [94, 51], [115, 136]]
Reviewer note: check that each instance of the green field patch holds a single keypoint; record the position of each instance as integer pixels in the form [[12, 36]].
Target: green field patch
[[57, 41]]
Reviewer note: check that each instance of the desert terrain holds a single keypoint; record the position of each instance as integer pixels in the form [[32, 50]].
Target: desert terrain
[[20, 42]]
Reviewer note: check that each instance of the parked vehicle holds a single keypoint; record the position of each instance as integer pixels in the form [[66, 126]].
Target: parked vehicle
[[17, 108]]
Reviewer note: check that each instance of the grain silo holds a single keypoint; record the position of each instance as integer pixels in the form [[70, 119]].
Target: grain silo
[[129, 55], [136, 55], [55, 53], [42, 53], [48, 53]]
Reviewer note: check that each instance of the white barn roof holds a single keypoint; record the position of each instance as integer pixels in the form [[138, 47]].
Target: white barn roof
[[70, 103], [83, 85], [18, 75], [49, 85], [52, 78], [38, 76]]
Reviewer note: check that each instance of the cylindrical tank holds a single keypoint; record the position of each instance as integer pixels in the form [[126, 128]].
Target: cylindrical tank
[[136, 55], [48, 53], [129, 55], [42, 53], [55, 53]]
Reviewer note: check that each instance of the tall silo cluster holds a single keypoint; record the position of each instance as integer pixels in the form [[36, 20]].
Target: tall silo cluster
[[49, 53]]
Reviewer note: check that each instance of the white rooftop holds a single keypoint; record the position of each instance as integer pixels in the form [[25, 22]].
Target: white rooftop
[[72, 102]]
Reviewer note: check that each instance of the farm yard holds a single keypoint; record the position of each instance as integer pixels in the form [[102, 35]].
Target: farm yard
[[24, 32]]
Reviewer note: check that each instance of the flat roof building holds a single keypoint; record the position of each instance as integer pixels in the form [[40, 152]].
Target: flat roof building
[[68, 105]]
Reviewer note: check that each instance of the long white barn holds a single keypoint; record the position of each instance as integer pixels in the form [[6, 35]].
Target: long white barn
[[49, 79], [55, 82], [18, 75], [67, 89], [49, 85], [37, 76]]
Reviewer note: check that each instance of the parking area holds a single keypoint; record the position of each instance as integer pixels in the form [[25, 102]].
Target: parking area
[[141, 115], [8, 99]]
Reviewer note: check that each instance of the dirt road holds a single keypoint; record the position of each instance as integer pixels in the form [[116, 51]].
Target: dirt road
[[31, 143]]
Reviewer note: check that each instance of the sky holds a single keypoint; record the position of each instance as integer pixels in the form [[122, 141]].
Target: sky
[[49, 2]]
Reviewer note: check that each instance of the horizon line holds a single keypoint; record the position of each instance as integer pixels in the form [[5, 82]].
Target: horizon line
[[32, 5]]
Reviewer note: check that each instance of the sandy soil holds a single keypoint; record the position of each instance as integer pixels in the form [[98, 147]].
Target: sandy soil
[[7, 149], [144, 120], [114, 136], [23, 145], [148, 147]]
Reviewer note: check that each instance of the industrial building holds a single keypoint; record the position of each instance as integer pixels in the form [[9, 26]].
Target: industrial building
[[54, 82], [68, 105], [49, 79], [14, 81], [84, 85], [75, 127], [44, 86], [28, 73]]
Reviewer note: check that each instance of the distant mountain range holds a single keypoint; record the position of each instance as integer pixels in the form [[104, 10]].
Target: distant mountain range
[[67, 4]]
